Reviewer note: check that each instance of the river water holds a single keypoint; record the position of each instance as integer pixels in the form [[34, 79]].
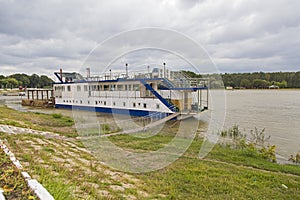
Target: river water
[[278, 111]]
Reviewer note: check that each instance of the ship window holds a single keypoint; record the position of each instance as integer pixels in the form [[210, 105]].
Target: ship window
[[113, 87], [63, 88], [129, 87], [114, 103], [104, 102], [69, 88], [106, 87], [78, 88], [125, 87], [64, 100], [80, 101], [157, 106], [124, 104], [88, 102], [145, 105], [96, 102], [139, 104], [134, 105], [136, 87], [98, 87], [119, 87], [85, 88]]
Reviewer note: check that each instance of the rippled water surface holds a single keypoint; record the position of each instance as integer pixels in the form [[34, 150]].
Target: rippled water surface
[[278, 111]]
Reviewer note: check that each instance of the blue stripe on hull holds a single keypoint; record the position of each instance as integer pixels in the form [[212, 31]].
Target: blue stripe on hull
[[130, 112]]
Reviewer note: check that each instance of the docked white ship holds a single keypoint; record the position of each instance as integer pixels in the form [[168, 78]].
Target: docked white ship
[[161, 92]]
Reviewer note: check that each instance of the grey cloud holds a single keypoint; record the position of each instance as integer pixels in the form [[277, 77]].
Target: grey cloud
[[40, 36]]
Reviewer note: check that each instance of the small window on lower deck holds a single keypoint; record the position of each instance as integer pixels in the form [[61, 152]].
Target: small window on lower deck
[[133, 105], [157, 106], [145, 105]]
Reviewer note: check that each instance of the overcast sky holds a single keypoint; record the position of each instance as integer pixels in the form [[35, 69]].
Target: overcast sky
[[239, 35]]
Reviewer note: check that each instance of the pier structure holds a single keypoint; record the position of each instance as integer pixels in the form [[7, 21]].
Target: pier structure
[[39, 98]]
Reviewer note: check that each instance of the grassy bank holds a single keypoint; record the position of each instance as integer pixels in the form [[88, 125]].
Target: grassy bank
[[68, 171], [38, 121], [225, 174], [11, 180]]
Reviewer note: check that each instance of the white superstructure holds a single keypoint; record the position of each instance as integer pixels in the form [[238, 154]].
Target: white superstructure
[[137, 94]]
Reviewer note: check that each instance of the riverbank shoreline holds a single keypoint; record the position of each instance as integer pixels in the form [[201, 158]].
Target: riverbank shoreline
[[59, 163]]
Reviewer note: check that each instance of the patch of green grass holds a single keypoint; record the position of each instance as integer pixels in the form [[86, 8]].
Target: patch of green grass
[[11, 180], [48, 149], [137, 143], [243, 175], [56, 115], [189, 178], [252, 159], [57, 186], [11, 123], [44, 122]]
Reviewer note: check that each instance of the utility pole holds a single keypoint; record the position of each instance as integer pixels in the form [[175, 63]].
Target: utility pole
[[164, 70], [126, 65]]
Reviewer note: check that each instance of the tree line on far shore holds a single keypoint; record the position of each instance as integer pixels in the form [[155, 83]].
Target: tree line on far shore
[[25, 81], [235, 80], [262, 79], [255, 80]]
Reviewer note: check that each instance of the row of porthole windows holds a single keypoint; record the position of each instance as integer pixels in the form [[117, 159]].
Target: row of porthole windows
[[114, 103], [72, 101], [133, 87]]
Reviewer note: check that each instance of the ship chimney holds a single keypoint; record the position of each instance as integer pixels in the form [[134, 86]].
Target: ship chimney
[[60, 73], [88, 72]]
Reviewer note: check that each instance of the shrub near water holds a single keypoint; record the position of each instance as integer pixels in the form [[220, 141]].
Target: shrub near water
[[256, 144]]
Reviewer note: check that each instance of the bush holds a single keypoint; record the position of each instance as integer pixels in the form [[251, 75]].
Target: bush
[[57, 115], [256, 145], [296, 158], [268, 153]]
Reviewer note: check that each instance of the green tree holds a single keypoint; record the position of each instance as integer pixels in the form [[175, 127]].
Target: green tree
[[45, 81], [12, 83], [22, 78], [34, 81], [245, 83], [3, 83], [283, 84], [259, 83]]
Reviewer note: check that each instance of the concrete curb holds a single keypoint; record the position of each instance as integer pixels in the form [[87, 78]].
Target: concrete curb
[[33, 184], [2, 197]]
